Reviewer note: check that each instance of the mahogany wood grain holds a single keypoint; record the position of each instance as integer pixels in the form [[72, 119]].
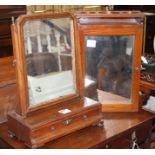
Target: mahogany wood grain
[[117, 130], [8, 89], [6, 13], [7, 74]]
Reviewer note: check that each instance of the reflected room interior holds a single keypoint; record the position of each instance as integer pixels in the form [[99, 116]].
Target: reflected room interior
[[108, 68]]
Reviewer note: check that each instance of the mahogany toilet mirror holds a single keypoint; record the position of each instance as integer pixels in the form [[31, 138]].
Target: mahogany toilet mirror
[[45, 52], [49, 80]]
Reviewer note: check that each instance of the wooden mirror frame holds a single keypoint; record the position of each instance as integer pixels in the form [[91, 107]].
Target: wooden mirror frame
[[20, 63], [86, 27]]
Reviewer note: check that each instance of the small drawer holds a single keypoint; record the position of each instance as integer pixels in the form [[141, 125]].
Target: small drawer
[[65, 126], [121, 142], [143, 131], [8, 100], [141, 134]]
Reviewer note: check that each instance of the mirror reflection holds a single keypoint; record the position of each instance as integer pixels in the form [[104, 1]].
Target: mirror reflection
[[108, 68], [49, 50]]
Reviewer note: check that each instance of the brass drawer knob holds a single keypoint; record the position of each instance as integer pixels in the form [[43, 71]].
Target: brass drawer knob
[[68, 121]]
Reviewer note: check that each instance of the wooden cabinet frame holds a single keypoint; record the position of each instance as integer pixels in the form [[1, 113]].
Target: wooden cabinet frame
[[115, 24]]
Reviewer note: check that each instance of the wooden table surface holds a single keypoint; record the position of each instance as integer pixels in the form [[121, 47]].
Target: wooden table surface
[[90, 137]]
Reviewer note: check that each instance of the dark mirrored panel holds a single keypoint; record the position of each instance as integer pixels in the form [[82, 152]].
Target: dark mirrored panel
[[108, 68], [49, 50]]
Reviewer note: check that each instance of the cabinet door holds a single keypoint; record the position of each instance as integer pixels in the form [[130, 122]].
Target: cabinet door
[[111, 68]]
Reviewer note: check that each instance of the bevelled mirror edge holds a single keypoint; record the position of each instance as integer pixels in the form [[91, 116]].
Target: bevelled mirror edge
[[17, 31]]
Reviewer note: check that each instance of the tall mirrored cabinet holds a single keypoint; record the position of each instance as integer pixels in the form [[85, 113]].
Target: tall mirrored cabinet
[[111, 46], [49, 79]]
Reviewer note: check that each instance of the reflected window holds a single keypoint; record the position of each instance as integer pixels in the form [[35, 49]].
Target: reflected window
[[50, 62]]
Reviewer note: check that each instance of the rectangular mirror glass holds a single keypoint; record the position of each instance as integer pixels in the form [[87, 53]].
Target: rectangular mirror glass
[[108, 68], [49, 51]]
